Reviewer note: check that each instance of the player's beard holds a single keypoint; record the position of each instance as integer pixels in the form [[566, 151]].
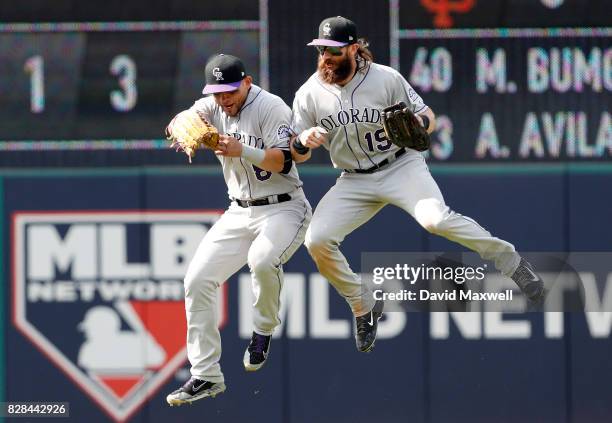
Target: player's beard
[[332, 76]]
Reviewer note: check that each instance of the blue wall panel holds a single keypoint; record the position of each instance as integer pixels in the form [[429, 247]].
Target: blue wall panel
[[590, 199], [590, 371], [525, 210], [411, 376], [485, 380]]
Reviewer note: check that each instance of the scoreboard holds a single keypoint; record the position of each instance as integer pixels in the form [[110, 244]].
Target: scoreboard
[[513, 94], [110, 85], [101, 93]]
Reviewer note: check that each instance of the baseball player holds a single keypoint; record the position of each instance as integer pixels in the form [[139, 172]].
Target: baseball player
[[264, 225], [339, 108]]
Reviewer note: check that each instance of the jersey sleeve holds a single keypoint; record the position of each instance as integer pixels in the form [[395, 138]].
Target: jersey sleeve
[[403, 91], [275, 124], [206, 106], [303, 117]]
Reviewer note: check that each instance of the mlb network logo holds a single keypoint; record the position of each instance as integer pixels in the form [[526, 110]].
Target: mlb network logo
[[100, 294]]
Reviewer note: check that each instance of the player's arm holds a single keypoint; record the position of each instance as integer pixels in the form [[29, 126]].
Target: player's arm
[[428, 119], [299, 153], [303, 122], [271, 159], [308, 139], [404, 91], [276, 132]]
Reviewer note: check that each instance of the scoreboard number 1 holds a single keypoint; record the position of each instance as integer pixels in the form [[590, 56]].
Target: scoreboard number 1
[[35, 66]]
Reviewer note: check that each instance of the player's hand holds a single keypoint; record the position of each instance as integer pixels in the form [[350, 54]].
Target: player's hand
[[228, 147], [313, 137]]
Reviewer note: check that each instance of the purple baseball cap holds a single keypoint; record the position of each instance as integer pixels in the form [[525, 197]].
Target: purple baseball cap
[[223, 73], [336, 31]]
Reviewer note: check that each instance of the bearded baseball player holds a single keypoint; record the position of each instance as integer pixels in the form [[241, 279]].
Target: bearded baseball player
[[360, 112], [264, 225]]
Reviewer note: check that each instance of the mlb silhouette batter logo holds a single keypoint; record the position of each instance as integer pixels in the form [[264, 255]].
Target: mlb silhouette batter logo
[[108, 350], [101, 295]]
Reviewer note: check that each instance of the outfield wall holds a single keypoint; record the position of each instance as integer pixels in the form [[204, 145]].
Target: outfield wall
[[66, 230]]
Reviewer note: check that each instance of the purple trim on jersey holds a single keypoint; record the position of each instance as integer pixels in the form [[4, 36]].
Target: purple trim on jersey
[[246, 172], [355, 123], [244, 106], [348, 144], [221, 88], [425, 106], [326, 42]]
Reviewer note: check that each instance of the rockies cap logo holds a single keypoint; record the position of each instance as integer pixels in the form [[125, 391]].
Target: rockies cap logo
[[327, 29], [217, 74]]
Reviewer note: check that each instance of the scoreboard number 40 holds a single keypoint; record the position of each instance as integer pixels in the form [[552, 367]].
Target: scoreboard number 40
[[432, 71]]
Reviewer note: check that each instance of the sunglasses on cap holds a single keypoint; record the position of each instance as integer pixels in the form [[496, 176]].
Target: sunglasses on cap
[[334, 51]]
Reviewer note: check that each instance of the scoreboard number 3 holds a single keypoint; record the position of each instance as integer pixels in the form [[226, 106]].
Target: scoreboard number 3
[[124, 67]]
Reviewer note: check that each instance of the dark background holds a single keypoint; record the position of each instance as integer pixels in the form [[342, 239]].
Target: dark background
[[83, 112]]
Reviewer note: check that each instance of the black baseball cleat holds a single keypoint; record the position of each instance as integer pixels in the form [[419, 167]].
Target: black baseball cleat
[[367, 326], [529, 282], [193, 390], [256, 353]]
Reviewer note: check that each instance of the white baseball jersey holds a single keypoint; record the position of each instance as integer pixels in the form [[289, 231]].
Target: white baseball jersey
[[264, 237], [262, 122], [351, 114]]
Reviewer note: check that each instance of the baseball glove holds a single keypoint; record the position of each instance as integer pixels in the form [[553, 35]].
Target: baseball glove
[[403, 128], [189, 130]]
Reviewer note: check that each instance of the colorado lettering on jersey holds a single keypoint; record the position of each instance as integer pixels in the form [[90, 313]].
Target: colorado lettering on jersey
[[263, 122], [250, 140], [349, 117]]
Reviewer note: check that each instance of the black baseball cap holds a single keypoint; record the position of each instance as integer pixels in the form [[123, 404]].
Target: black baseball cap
[[223, 72], [336, 31]]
